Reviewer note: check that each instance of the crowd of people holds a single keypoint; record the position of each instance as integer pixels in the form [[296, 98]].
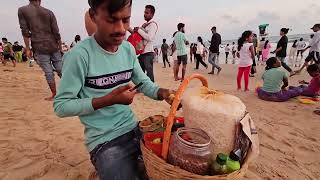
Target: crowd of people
[[97, 71]]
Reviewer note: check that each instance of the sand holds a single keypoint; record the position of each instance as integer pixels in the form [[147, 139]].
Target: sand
[[35, 144]]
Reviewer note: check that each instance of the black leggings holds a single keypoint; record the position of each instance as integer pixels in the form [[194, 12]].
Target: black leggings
[[199, 60], [165, 59]]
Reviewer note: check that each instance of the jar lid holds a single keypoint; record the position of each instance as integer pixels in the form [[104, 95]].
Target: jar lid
[[221, 159], [235, 155], [194, 137]]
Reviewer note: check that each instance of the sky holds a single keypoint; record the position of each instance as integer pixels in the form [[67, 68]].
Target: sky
[[231, 17]]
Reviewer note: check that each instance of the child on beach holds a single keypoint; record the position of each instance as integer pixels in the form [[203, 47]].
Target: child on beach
[[275, 82], [227, 51], [266, 51], [313, 88], [246, 55]]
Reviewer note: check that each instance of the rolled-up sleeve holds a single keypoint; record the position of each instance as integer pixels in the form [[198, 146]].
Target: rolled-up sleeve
[[23, 24], [54, 27], [151, 34]]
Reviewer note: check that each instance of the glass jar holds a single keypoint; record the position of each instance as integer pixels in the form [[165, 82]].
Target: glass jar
[[190, 149]]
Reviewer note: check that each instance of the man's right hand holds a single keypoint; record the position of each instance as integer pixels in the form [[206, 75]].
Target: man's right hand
[[123, 95]]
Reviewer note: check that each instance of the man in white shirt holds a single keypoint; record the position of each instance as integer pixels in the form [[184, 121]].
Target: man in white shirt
[[148, 32], [300, 47], [314, 46]]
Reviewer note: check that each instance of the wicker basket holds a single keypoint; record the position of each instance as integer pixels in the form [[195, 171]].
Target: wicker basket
[[159, 169]]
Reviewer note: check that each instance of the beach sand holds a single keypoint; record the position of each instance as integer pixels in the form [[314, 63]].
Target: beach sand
[[36, 144]]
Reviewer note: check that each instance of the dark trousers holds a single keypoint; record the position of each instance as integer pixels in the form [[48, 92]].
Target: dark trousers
[[200, 60], [284, 65], [146, 63], [165, 59], [253, 67], [118, 159]]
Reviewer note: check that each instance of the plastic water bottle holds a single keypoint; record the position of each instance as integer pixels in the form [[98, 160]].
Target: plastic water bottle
[[233, 162], [219, 166]]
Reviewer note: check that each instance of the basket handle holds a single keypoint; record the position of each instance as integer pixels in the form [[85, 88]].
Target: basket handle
[[173, 110]]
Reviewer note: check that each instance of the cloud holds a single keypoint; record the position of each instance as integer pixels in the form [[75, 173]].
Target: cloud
[[230, 19]]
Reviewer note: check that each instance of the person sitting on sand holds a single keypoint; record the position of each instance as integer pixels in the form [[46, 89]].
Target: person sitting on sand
[[275, 82], [95, 86], [313, 88]]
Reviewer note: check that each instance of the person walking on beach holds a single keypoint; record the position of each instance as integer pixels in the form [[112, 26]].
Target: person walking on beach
[[293, 52], [181, 42], [77, 39], [281, 51], [164, 51], [255, 45], [214, 50], [191, 51], [148, 32], [234, 51], [260, 48], [246, 57], [17, 50], [200, 54], [39, 25], [266, 52], [96, 87], [314, 46], [227, 50], [301, 45], [7, 52]]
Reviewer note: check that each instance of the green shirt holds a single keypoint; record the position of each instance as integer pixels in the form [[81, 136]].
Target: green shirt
[[272, 80], [180, 41], [7, 48], [90, 72]]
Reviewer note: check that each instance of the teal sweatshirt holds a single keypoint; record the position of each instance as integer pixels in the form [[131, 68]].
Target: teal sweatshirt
[[90, 72]]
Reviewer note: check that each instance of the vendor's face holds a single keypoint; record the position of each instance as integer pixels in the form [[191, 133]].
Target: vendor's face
[[148, 15], [111, 27]]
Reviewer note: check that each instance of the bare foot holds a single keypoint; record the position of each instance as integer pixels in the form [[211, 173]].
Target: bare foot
[[49, 98], [246, 90]]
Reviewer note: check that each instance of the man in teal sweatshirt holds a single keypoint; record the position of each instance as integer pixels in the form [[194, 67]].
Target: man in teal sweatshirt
[[95, 86]]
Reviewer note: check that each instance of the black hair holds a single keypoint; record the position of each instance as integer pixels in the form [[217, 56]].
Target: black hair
[[285, 30], [214, 28], [301, 39], [180, 26], [113, 5], [270, 62], [4, 39], [164, 40], [313, 68], [152, 8], [200, 40], [228, 44], [243, 38], [0, 43], [266, 44], [233, 42], [77, 38], [263, 39], [174, 33]]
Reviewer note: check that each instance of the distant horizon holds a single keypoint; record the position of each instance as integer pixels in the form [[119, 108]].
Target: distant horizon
[[231, 17]]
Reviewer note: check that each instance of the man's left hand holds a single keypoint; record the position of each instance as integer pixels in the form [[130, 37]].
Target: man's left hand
[[136, 29]]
